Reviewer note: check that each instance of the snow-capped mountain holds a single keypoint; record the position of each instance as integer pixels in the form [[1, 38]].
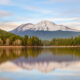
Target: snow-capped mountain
[[43, 26], [45, 30]]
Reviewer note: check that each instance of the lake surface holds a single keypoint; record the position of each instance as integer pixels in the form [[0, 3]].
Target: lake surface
[[39, 63]]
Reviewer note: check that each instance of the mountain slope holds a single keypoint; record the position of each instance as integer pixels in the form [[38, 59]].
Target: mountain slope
[[45, 30], [5, 33], [43, 26], [47, 35]]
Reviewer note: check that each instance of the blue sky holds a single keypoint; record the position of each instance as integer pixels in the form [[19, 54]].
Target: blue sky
[[66, 12]]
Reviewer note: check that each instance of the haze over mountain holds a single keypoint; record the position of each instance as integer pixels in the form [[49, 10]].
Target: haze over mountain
[[8, 26]]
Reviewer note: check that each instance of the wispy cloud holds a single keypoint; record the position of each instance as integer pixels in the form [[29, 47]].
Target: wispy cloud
[[75, 11], [5, 79], [8, 26], [37, 9], [5, 13], [5, 2], [64, 0], [54, 19], [67, 19], [59, 19], [74, 25]]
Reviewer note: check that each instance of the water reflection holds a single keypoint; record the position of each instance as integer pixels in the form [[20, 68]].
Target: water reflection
[[42, 59], [40, 54], [14, 53]]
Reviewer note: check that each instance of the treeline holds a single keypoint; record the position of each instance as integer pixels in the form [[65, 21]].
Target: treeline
[[64, 41], [15, 40], [10, 39]]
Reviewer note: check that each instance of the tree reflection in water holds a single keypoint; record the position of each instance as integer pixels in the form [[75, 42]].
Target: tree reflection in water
[[7, 54], [43, 59]]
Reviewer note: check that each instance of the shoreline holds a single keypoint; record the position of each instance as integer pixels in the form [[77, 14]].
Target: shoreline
[[39, 46]]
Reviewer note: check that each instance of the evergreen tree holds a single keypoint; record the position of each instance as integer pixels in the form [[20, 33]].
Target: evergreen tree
[[25, 40]]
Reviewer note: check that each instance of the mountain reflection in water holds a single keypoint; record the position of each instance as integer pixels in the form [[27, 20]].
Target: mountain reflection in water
[[42, 59]]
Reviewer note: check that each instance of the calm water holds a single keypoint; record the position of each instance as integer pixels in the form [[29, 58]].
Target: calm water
[[39, 63]]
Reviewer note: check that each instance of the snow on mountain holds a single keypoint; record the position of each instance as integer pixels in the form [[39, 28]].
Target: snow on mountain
[[45, 30], [24, 27], [43, 26]]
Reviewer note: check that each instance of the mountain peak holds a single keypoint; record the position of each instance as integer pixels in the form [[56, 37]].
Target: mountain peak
[[45, 30], [43, 26], [46, 22]]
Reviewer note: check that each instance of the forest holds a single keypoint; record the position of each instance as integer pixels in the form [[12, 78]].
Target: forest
[[64, 41], [16, 40], [10, 39]]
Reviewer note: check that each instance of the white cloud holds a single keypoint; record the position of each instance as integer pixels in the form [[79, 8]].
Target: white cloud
[[35, 20], [58, 19], [5, 13], [64, 0], [5, 2], [37, 9], [8, 26], [5, 79], [67, 19], [74, 25]]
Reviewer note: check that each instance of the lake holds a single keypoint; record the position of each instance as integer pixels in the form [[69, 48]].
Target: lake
[[40, 63]]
